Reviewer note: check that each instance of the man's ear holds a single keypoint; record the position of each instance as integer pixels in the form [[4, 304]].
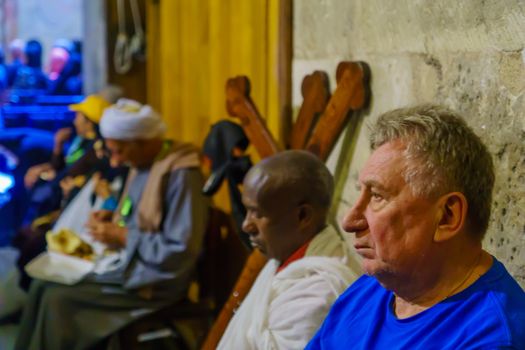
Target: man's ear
[[452, 216], [305, 214], [139, 143]]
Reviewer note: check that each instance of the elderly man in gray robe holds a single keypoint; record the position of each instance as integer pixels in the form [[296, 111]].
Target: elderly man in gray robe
[[287, 198], [159, 227]]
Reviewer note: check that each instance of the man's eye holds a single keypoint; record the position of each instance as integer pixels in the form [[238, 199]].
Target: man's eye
[[253, 213], [376, 196]]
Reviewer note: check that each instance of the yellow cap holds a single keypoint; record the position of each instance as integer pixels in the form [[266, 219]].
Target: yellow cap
[[92, 107]]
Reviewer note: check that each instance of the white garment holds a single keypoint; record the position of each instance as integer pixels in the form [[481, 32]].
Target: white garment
[[76, 214], [284, 310]]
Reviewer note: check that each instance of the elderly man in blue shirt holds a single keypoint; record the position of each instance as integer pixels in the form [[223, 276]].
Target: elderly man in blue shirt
[[422, 212]]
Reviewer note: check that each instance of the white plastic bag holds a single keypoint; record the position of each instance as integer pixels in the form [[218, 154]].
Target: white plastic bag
[[75, 216]]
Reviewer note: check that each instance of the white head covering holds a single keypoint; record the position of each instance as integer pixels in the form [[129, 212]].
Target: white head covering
[[130, 120]]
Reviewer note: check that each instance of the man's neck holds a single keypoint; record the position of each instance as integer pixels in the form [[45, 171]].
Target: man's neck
[[454, 277], [151, 152], [296, 255], [300, 249]]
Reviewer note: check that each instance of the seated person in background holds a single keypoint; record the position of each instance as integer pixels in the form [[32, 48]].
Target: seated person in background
[[160, 226], [16, 53], [111, 93], [3, 73], [40, 169], [58, 58], [30, 75], [287, 198], [88, 114], [43, 180], [79, 198], [419, 221], [70, 80], [65, 77]]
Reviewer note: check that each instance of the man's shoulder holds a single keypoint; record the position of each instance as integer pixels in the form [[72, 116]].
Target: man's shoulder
[[184, 176], [501, 301], [184, 172], [322, 267], [489, 313], [499, 290]]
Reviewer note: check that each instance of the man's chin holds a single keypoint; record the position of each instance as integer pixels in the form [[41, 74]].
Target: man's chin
[[370, 267], [380, 272], [258, 247]]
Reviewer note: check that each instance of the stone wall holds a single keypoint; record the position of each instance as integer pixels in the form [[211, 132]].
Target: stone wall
[[467, 54]]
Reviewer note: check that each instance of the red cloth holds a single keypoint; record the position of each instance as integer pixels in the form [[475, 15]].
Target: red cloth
[[298, 254]]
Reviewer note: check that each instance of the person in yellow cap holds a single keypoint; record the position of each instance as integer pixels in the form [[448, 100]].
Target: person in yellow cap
[[60, 180], [88, 114]]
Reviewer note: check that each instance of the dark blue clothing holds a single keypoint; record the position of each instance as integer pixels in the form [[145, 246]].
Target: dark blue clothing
[[30, 78], [69, 82], [12, 70], [46, 196], [490, 314], [3, 77], [32, 147]]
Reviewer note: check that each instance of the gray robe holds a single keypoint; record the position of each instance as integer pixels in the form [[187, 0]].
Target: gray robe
[[80, 316]]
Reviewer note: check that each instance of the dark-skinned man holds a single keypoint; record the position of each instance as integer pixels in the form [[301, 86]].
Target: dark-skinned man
[[287, 198]]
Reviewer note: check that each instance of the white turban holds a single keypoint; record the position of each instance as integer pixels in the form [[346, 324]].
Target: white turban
[[130, 120]]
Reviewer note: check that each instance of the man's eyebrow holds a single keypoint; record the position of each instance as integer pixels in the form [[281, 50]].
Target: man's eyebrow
[[249, 206], [374, 183]]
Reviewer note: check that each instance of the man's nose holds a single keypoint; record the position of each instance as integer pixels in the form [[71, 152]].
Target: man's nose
[[248, 226], [355, 221], [115, 161]]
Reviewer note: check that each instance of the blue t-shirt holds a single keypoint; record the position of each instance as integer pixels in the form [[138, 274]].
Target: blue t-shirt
[[490, 314]]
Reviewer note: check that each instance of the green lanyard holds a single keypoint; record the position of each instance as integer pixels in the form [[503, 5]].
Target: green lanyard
[[125, 211], [73, 157], [75, 151], [166, 147], [127, 205]]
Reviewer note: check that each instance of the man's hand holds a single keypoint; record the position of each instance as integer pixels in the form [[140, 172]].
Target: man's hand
[[109, 233], [61, 136], [35, 172], [102, 187], [100, 215], [68, 183], [99, 225]]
